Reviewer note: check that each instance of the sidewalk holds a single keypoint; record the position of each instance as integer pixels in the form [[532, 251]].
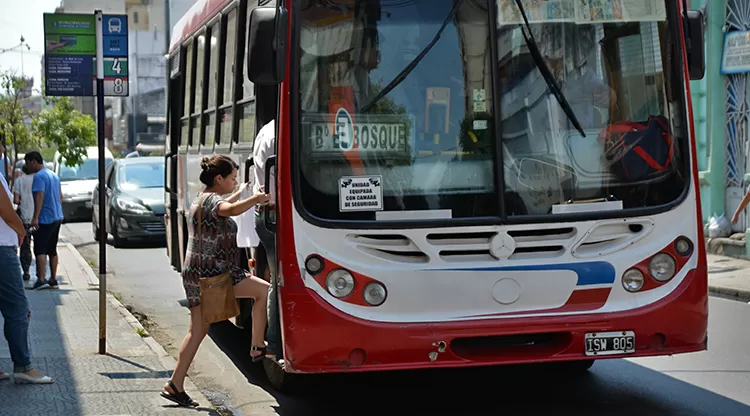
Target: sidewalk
[[729, 276], [64, 338]]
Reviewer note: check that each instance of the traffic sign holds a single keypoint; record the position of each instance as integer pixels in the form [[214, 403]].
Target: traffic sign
[[70, 54]]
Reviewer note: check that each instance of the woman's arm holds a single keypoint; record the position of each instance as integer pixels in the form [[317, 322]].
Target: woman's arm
[[232, 209], [235, 196], [9, 215]]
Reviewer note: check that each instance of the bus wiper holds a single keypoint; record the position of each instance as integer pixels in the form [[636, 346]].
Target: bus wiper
[[545, 71], [414, 62]]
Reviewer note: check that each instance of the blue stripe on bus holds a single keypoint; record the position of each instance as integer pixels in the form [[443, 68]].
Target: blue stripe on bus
[[589, 273]]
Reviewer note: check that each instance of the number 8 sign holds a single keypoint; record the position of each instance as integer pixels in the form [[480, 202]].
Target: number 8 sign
[[118, 88]]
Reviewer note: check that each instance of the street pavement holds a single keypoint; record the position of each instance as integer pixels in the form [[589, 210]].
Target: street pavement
[[716, 382], [64, 340]]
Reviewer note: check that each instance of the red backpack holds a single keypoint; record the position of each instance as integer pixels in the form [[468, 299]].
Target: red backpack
[[637, 151]]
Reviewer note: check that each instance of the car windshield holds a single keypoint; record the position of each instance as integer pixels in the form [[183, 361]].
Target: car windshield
[[88, 169], [448, 141], [141, 175]]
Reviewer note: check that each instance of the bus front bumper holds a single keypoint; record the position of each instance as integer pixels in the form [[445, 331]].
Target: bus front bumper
[[321, 339]]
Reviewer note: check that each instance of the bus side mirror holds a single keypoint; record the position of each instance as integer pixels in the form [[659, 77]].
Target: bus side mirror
[[694, 44], [266, 40]]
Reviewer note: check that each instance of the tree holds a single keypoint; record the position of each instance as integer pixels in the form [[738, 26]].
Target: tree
[[13, 116], [67, 129]]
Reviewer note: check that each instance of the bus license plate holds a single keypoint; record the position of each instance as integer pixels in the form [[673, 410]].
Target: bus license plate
[[609, 343]]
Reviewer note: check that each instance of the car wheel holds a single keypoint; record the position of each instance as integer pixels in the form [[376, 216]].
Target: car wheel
[[95, 229], [117, 240]]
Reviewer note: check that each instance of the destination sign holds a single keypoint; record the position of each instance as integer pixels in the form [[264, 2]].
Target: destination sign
[[365, 134]]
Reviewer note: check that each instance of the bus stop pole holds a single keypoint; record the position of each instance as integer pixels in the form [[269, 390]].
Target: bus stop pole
[[102, 190]]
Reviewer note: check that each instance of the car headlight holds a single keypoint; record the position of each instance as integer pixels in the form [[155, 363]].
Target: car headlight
[[131, 206], [340, 283], [662, 267]]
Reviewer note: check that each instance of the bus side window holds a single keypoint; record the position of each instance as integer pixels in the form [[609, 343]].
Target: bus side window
[[187, 96], [227, 99], [247, 104], [209, 115], [199, 100]]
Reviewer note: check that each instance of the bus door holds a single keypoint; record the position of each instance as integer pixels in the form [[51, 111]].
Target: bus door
[[171, 184]]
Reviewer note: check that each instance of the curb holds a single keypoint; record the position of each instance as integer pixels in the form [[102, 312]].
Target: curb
[[739, 294], [87, 270], [165, 359]]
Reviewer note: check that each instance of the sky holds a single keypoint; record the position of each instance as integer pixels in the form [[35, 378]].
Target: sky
[[24, 18]]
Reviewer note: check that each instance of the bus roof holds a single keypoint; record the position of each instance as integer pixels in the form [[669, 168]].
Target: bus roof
[[201, 12]]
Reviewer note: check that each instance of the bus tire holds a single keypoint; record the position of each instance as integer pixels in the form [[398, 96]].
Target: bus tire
[[280, 379]]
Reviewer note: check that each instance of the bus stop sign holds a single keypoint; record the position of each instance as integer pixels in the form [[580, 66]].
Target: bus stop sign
[[70, 55]]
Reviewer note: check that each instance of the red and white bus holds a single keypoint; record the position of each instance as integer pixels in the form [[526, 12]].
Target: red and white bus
[[458, 183]]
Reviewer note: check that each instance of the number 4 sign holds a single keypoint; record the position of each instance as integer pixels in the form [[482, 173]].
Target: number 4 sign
[[115, 37]]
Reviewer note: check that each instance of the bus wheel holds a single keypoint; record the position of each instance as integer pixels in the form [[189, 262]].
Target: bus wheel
[[280, 379]]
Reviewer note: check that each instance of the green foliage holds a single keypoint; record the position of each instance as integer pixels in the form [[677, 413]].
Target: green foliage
[[48, 153], [66, 129], [18, 138]]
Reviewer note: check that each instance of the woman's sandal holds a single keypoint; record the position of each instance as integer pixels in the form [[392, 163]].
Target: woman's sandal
[[179, 397], [260, 356]]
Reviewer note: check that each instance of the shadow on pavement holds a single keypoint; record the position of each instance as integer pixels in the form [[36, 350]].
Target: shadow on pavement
[[611, 387], [140, 244]]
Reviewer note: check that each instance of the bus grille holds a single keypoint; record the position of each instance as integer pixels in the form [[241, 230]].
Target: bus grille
[[465, 246]]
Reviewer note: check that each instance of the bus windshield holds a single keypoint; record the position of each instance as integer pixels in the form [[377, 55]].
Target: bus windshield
[[449, 141]]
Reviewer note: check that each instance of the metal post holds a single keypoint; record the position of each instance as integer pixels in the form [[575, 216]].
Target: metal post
[[102, 190]]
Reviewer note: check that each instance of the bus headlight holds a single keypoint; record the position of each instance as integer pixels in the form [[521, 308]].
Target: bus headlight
[[632, 280], [375, 293], [662, 267], [339, 283], [314, 265], [683, 246]]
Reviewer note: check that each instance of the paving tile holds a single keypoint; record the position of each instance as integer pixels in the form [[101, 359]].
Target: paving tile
[[64, 336]]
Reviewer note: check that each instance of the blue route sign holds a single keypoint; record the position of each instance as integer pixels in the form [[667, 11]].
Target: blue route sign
[[70, 54]]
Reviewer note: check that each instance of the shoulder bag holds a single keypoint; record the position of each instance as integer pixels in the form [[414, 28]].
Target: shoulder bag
[[217, 293]]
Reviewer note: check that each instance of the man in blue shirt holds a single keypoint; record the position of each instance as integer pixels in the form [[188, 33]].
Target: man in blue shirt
[[47, 218]]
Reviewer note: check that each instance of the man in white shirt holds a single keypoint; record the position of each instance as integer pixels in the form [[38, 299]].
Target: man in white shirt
[[13, 303], [24, 198], [265, 147]]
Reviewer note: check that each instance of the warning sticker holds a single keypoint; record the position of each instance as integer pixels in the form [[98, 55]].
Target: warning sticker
[[361, 193]]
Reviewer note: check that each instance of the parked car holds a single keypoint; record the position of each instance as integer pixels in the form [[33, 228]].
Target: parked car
[[78, 182], [134, 194]]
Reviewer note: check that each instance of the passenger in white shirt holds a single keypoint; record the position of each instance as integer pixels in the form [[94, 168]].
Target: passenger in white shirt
[[265, 147], [24, 198], [13, 303]]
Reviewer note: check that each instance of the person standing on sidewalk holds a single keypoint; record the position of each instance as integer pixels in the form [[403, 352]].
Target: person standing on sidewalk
[[5, 167], [47, 218], [13, 303], [24, 198], [265, 147]]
